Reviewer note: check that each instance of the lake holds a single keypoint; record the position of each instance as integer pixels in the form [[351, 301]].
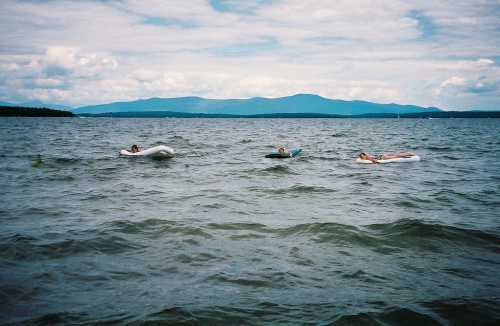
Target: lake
[[221, 235]]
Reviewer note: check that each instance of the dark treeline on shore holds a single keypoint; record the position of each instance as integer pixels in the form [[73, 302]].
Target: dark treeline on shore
[[170, 114], [19, 111]]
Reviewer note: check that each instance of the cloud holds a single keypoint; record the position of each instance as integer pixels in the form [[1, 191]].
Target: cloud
[[412, 52], [458, 85], [369, 21], [53, 75], [482, 78], [454, 81], [481, 87]]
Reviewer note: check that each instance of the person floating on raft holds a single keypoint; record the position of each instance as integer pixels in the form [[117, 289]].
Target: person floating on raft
[[375, 159], [135, 149], [283, 151], [160, 151]]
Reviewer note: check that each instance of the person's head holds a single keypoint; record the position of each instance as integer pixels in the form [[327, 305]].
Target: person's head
[[363, 156], [135, 148], [281, 149]]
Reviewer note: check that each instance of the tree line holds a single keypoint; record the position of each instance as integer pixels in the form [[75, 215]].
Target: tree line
[[20, 111]]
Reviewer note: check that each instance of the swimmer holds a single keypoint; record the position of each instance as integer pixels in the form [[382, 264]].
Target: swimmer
[[135, 149]]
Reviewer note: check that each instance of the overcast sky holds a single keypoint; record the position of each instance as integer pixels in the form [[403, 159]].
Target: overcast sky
[[431, 53]]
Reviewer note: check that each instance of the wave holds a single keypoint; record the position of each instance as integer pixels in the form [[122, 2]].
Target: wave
[[239, 227], [156, 228], [272, 170], [111, 239], [262, 313], [439, 148], [383, 238], [196, 258], [394, 316], [453, 312], [74, 318], [409, 232], [67, 160], [73, 163], [247, 236], [61, 177], [325, 158], [278, 169], [26, 248], [339, 135], [294, 190], [278, 280], [467, 311], [450, 196], [451, 158], [446, 311]]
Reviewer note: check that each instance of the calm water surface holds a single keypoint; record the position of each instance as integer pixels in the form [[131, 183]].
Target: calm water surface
[[222, 235]]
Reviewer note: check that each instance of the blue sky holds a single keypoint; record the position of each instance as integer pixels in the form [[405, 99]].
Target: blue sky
[[430, 53]]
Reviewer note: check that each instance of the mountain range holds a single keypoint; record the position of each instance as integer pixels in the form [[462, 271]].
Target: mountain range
[[300, 103]]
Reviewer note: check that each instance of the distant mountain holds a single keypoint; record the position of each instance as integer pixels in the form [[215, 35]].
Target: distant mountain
[[300, 103], [38, 104]]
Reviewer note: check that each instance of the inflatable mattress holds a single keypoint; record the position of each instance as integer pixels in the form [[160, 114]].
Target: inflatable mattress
[[157, 151], [414, 158], [291, 153]]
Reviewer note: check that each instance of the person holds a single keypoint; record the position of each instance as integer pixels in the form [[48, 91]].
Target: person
[[374, 159], [135, 149], [283, 151], [368, 157]]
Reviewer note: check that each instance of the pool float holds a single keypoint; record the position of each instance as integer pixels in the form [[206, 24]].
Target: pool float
[[414, 158], [291, 153], [157, 151]]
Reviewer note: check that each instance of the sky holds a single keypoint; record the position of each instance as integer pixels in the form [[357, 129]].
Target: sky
[[429, 53]]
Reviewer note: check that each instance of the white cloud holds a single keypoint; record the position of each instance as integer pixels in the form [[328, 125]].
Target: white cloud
[[53, 75], [48, 83], [96, 51], [454, 81], [480, 77], [145, 75], [459, 86], [371, 21], [484, 62], [8, 67]]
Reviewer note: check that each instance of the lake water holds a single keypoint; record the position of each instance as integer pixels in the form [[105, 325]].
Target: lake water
[[221, 235]]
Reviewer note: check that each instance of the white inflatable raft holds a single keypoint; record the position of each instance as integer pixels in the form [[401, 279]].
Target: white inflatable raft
[[157, 151], [414, 158]]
